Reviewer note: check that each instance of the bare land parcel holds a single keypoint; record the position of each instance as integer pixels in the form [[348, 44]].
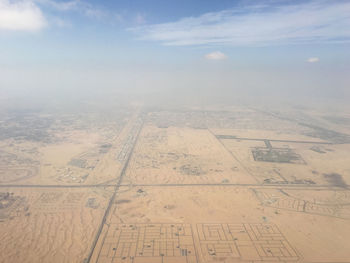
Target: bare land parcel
[[229, 185]]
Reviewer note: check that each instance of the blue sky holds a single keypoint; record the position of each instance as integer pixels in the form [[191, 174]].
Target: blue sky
[[203, 41]]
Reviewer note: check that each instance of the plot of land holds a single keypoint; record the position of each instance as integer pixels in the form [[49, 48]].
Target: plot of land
[[162, 186]]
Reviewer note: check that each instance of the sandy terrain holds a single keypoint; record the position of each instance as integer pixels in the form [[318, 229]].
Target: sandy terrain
[[50, 225], [182, 155], [221, 205], [195, 186]]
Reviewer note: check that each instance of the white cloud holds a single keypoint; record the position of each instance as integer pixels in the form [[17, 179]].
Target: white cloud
[[27, 15], [315, 21], [313, 60], [217, 55], [21, 16]]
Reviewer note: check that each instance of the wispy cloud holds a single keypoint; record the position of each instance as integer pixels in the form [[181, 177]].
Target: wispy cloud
[[61, 6], [217, 55], [313, 60], [34, 15], [21, 16], [78, 6], [310, 22]]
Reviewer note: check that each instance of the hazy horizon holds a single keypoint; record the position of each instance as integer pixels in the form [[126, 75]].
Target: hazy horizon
[[175, 131], [229, 48]]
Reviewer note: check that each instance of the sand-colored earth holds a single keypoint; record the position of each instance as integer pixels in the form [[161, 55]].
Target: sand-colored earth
[[196, 186], [51, 225]]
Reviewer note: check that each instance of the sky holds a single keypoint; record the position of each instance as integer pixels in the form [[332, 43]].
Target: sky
[[195, 47]]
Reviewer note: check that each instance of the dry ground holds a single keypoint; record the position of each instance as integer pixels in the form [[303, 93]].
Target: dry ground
[[235, 185]]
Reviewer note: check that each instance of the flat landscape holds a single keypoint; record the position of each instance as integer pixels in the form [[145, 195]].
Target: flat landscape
[[144, 185]]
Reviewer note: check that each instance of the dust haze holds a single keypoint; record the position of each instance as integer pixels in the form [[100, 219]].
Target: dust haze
[[220, 155], [214, 168]]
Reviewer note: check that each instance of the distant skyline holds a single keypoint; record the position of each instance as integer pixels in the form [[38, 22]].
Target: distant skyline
[[275, 45]]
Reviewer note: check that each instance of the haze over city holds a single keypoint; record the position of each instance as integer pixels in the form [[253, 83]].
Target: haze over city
[[197, 131]]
